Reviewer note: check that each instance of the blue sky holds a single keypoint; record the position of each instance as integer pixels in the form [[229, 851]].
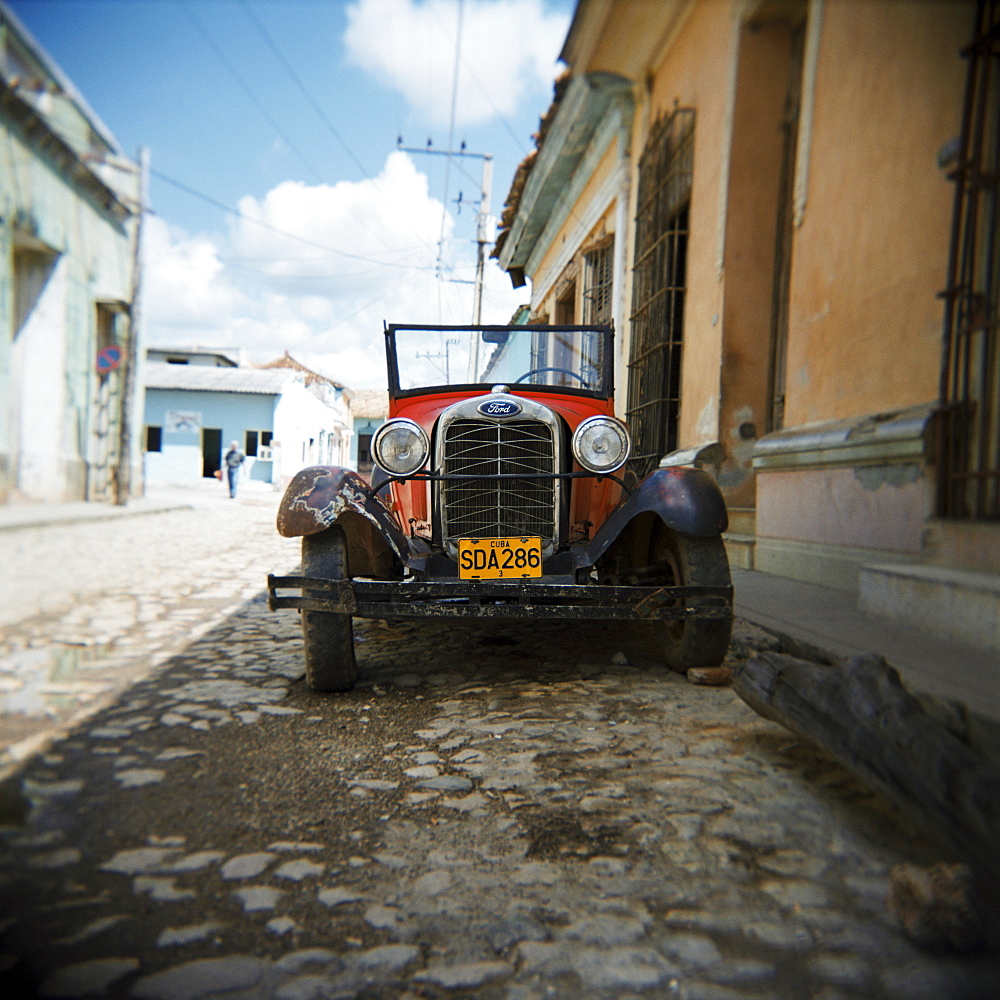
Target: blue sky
[[289, 112]]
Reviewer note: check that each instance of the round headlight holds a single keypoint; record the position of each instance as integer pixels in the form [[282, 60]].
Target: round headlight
[[400, 447], [601, 444]]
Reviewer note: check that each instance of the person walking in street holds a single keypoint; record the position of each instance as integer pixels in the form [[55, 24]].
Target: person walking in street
[[233, 460]]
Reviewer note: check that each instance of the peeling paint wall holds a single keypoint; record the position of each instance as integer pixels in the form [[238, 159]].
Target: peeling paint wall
[[872, 507]]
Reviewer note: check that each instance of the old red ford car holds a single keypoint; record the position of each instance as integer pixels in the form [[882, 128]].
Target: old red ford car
[[501, 489]]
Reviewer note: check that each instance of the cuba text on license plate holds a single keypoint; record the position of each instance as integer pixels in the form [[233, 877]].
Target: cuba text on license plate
[[499, 558]]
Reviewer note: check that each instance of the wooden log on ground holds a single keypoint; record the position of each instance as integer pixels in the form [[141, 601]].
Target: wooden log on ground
[[860, 713]]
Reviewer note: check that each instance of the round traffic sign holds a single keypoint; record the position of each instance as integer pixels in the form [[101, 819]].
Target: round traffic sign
[[108, 358]]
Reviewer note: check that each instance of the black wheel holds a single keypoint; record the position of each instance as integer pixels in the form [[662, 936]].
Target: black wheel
[[328, 636], [693, 562]]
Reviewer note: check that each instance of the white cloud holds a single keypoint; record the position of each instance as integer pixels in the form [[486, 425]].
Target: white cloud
[[509, 49], [359, 254], [185, 286], [345, 237]]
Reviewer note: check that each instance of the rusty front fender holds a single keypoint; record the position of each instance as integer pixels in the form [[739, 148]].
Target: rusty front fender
[[323, 495], [686, 500]]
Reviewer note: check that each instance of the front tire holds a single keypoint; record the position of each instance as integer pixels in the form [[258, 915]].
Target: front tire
[[693, 562], [327, 635]]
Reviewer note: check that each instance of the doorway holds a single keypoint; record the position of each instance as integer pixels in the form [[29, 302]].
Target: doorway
[[785, 230], [759, 238], [106, 425], [211, 451]]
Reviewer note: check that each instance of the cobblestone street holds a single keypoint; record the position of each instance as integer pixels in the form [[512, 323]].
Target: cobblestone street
[[517, 812], [86, 608]]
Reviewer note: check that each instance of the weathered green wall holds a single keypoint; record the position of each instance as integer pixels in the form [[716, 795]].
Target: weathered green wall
[[50, 198]]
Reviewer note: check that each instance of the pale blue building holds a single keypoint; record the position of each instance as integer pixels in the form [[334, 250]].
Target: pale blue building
[[369, 410], [282, 418]]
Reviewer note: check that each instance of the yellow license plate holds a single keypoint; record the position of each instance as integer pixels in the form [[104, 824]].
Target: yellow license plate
[[499, 558]]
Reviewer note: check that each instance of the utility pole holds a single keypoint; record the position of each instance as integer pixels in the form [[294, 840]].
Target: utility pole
[[447, 359], [482, 230], [123, 471], [482, 226]]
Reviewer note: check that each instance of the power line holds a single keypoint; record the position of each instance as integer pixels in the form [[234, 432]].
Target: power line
[[297, 80], [467, 66], [300, 278], [451, 133], [357, 312], [313, 103], [245, 87], [187, 189]]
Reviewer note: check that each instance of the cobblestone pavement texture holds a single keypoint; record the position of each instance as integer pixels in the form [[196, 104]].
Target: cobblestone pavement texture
[[87, 608], [510, 813]]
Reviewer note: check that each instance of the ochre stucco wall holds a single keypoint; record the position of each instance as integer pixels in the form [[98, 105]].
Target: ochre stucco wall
[[870, 255]]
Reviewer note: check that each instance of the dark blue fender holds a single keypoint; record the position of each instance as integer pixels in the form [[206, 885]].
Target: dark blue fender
[[687, 500], [323, 495]]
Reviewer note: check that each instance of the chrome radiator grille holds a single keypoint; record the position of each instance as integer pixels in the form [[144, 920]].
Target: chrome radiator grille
[[497, 508]]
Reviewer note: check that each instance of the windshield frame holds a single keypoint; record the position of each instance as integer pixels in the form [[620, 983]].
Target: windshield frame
[[604, 391]]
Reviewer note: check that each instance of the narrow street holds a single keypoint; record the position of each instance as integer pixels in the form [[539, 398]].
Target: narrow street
[[517, 813]]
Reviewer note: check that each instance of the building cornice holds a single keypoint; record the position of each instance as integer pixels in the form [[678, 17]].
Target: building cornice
[[900, 436], [568, 144], [62, 83], [47, 141], [613, 187]]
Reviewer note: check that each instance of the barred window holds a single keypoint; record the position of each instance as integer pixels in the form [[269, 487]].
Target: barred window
[[658, 288], [969, 431], [598, 285], [598, 272]]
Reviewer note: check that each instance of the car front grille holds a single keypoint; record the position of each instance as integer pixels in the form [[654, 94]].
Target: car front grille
[[498, 508]]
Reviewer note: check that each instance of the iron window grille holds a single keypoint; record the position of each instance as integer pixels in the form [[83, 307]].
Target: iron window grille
[[969, 431], [598, 279], [658, 288], [598, 287]]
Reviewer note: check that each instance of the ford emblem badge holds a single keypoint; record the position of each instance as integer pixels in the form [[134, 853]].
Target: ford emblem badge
[[499, 408]]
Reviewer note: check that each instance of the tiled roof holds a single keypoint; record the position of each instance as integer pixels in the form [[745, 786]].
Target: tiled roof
[[369, 402], [287, 361]]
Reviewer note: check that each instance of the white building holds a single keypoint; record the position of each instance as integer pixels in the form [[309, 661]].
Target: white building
[[284, 418]]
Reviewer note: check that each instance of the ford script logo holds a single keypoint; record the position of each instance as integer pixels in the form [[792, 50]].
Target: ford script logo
[[499, 408]]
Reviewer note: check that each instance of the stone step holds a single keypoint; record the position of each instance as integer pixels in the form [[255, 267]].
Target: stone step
[[740, 549], [743, 520], [741, 538], [952, 603]]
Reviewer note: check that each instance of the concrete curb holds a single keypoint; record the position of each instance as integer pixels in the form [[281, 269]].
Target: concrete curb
[[19, 518]]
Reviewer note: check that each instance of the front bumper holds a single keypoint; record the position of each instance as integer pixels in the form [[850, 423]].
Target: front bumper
[[486, 599]]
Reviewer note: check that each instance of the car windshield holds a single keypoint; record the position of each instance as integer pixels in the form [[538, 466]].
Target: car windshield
[[561, 358]]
